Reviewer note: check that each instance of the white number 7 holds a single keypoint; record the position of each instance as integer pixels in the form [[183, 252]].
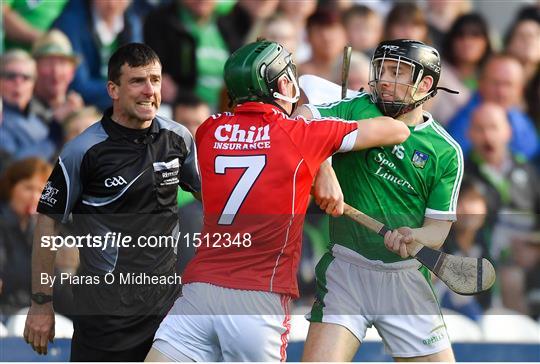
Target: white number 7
[[254, 165]]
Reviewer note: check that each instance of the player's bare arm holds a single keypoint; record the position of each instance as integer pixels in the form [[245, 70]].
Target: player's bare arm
[[371, 132], [374, 132], [327, 192], [432, 234], [39, 327], [380, 131]]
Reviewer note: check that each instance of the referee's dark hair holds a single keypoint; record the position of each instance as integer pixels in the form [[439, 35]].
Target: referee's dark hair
[[132, 54]]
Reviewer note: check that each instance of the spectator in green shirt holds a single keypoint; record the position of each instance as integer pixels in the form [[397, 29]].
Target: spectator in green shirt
[[25, 21], [192, 47]]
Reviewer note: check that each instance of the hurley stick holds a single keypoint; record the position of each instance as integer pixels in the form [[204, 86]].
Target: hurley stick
[[463, 275], [345, 70]]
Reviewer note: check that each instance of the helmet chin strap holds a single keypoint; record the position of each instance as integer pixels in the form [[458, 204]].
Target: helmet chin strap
[[296, 96], [292, 100]]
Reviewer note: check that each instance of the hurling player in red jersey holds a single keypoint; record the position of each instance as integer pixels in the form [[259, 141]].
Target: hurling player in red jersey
[[257, 166]]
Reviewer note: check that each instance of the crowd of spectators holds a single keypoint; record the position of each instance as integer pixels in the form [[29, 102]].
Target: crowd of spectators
[[53, 75]]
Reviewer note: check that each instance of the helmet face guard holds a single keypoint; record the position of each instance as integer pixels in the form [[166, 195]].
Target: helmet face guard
[[402, 54], [401, 104], [272, 73]]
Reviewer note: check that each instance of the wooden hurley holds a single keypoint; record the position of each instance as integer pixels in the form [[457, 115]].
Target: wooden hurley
[[345, 66], [463, 275]]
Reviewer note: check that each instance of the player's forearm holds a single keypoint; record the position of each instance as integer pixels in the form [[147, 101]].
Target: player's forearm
[[325, 179], [326, 190], [432, 235], [379, 131], [325, 183], [18, 29], [43, 257]]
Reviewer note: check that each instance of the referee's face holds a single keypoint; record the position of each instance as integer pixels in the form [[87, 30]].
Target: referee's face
[[137, 97]]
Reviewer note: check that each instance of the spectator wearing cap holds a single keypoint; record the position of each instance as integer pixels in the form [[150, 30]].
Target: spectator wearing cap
[[96, 28], [56, 64], [22, 132]]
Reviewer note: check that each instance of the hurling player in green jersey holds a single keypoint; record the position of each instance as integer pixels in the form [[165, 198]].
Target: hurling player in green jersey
[[365, 280]]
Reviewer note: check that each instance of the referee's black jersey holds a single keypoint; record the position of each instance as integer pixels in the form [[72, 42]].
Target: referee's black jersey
[[124, 182]]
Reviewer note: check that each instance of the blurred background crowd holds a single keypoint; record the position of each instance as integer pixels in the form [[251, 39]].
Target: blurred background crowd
[[53, 76]]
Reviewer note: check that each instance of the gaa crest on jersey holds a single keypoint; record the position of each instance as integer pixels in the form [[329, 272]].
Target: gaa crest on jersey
[[419, 159]]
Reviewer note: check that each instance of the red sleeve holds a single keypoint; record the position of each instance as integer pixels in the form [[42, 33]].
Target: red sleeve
[[317, 140]]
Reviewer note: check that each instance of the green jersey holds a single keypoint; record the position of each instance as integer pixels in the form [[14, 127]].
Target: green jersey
[[397, 185], [40, 14], [211, 55]]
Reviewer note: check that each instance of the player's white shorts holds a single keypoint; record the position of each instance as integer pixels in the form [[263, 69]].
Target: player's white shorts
[[211, 323], [396, 298]]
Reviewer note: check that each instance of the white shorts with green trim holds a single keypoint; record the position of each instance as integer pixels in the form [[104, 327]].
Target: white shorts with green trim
[[210, 323], [396, 298]]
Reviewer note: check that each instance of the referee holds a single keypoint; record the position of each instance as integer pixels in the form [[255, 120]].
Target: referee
[[117, 183]]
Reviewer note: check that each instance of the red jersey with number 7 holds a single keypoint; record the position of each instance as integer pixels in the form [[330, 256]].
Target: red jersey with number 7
[[257, 166]]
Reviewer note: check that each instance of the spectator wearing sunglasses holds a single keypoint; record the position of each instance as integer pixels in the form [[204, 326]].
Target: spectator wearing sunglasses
[[22, 133]]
